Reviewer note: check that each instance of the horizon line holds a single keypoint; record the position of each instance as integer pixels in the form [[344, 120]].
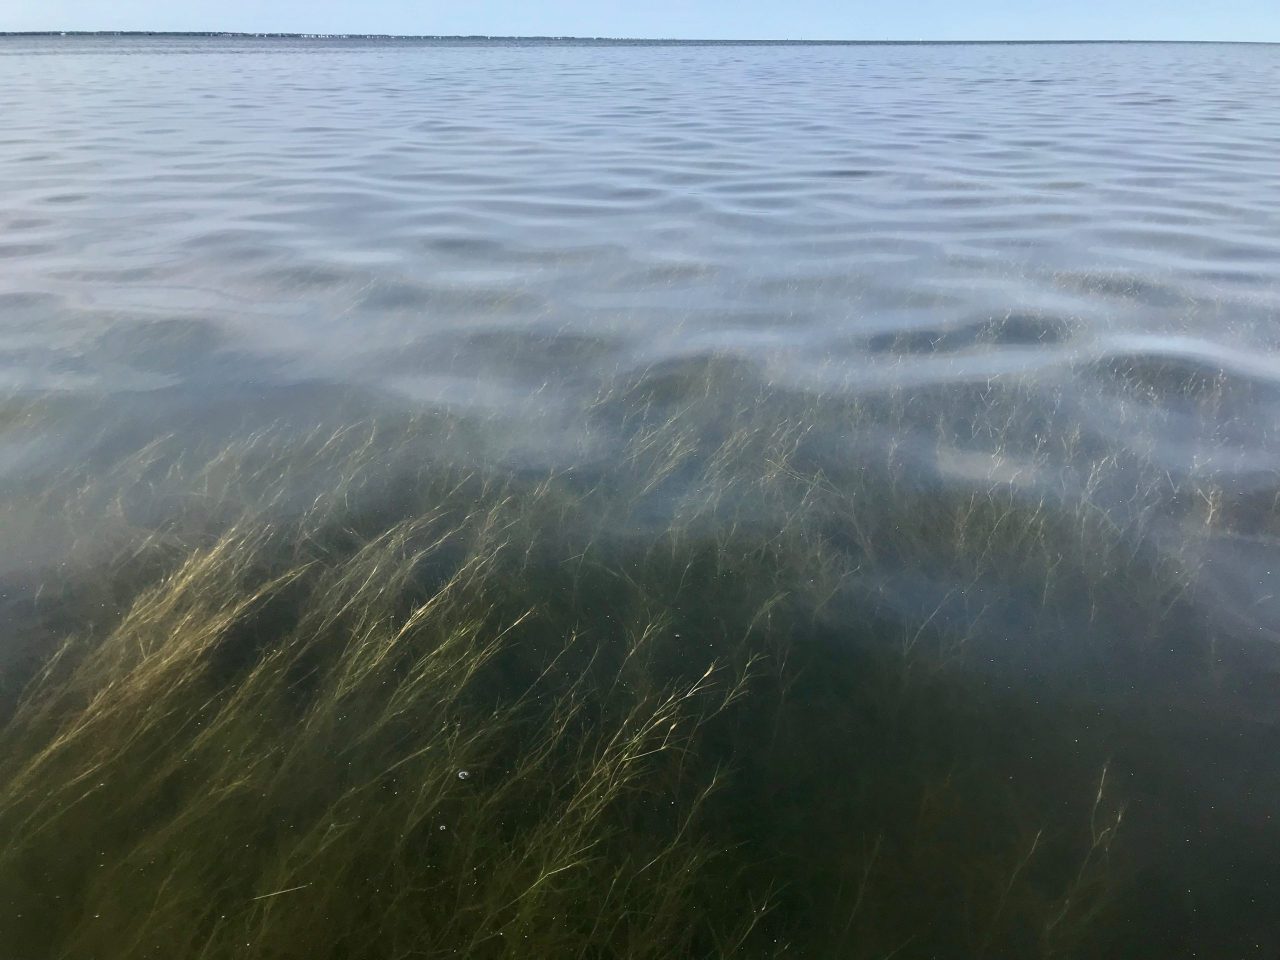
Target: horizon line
[[553, 38]]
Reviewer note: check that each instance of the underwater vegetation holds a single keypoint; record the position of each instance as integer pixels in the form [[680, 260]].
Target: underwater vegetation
[[744, 679]]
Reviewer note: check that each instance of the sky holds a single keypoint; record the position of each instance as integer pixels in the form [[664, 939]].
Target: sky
[[721, 19]]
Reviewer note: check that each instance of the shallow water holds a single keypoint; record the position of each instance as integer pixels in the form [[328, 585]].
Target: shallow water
[[1048, 274]]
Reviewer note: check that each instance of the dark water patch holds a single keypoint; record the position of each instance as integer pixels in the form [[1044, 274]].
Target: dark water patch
[[391, 295], [27, 223], [756, 320], [465, 245], [858, 283], [848, 173], [119, 275], [521, 355], [668, 273], [16, 251], [312, 277], [1023, 329], [167, 346], [228, 238], [1140, 289], [20, 300], [1011, 330]]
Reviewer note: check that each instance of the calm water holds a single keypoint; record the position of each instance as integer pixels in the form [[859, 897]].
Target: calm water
[[207, 237], [367, 213]]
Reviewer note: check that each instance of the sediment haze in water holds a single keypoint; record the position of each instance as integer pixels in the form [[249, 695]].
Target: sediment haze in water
[[609, 500]]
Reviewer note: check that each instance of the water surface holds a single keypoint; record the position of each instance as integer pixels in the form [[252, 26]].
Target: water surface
[[1045, 278]]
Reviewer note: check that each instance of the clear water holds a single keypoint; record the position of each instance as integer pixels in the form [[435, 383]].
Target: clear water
[[206, 237]]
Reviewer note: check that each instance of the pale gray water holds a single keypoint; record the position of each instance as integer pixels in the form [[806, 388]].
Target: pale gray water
[[356, 212], [191, 227], [206, 236]]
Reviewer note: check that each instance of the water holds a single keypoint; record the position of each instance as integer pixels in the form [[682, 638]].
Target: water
[[1042, 279]]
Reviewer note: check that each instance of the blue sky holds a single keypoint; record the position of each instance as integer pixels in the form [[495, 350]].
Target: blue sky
[[732, 19]]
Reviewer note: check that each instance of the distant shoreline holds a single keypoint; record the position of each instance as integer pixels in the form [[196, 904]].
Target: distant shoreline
[[620, 41]]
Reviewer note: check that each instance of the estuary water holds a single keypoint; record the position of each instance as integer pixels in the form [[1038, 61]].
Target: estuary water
[[1039, 279]]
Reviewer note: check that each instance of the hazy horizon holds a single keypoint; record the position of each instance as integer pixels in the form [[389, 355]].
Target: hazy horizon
[[802, 20], [850, 41]]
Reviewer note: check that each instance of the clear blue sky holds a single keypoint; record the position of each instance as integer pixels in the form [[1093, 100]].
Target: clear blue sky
[[731, 19]]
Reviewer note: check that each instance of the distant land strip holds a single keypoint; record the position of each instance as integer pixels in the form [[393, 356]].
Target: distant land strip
[[620, 41]]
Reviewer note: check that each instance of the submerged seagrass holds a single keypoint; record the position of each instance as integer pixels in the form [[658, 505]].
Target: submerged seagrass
[[659, 706]]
